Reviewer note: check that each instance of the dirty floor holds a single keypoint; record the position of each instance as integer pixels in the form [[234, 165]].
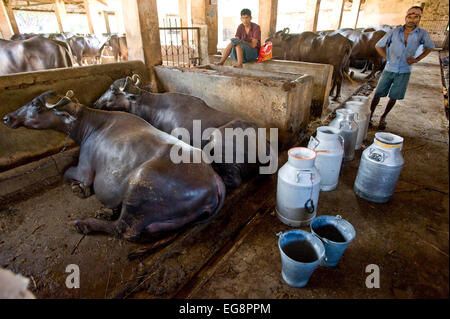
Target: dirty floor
[[236, 256]]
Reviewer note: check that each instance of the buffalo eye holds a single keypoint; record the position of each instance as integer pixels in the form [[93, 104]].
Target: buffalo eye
[[36, 107]]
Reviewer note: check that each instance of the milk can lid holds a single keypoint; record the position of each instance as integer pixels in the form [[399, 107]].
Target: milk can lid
[[388, 138]]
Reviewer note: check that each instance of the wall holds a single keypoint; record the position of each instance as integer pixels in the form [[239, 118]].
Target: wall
[[390, 12], [19, 146], [436, 10]]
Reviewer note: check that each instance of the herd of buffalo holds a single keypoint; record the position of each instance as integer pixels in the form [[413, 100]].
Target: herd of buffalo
[[33, 52], [341, 48], [125, 141], [125, 158]]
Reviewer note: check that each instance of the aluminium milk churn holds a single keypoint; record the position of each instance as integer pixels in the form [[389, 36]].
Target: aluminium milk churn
[[348, 128], [329, 146], [380, 167], [298, 188], [361, 118]]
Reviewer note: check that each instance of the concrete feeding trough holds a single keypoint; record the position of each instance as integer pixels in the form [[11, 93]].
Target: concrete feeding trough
[[23, 145], [270, 99], [321, 73]]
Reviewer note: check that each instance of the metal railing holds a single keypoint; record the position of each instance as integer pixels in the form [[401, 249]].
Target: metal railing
[[438, 31], [180, 46]]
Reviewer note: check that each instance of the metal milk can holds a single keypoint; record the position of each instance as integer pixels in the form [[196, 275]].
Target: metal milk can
[[380, 167], [298, 188], [361, 118], [348, 128], [361, 98], [329, 146]]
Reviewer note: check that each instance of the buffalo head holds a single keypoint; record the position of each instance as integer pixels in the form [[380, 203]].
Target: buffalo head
[[47, 111], [280, 36], [119, 94]]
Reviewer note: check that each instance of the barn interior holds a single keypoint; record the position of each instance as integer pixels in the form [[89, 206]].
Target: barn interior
[[236, 255]]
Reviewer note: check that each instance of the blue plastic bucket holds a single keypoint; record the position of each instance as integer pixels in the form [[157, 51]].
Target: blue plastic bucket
[[335, 233], [301, 252]]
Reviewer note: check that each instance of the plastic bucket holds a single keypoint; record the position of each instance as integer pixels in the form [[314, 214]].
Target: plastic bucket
[[301, 252], [335, 233]]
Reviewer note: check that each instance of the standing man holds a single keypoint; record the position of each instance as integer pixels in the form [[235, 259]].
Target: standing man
[[398, 47], [245, 46]]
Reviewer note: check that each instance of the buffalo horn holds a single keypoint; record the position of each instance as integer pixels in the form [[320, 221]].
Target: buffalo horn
[[136, 79], [64, 100]]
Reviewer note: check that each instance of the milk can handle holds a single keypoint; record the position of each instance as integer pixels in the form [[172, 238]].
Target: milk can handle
[[309, 209], [315, 141], [342, 142], [341, 123]]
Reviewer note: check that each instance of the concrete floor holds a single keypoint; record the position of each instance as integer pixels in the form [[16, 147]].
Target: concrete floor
[[407, 237], [236, 256]]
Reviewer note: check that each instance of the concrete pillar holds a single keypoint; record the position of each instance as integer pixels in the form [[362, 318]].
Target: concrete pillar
[[267, 17], [61, 15], [356, 5], [338, 9], [204, 15], [5, 25], [142, 31], [312, 15], [95, 21]]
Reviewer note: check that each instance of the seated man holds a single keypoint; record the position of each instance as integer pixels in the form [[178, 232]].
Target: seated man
[[245, 46]]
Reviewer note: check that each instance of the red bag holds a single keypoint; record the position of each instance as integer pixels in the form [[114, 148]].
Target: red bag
[[265, 52]]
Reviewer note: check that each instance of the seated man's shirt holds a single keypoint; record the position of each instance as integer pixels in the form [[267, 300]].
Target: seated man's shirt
[[396, 51], [254, 33]]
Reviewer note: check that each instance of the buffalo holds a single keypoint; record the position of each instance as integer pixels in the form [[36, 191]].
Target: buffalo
[[118, 47], [127, 163], [364, 46], [33, 54], [310, 47], [88, 46], [170, 111]]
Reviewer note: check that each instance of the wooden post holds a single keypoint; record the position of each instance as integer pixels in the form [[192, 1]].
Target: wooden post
[[267, 17], [312, 15], [106, 16], [142, 31], [95, 21], [356, 6], [337, 14], [5, 25], [12, 18], [61, 15]]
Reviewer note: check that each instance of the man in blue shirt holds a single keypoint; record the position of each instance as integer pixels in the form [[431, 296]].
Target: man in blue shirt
[[399, 47]]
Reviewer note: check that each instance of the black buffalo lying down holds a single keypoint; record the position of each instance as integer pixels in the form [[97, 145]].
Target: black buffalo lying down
[[126, 160], [169, 111]]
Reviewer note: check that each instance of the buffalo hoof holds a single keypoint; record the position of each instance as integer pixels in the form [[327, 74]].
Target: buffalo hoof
[[107, 213], [82, 227], [80, 190], [368, 77]]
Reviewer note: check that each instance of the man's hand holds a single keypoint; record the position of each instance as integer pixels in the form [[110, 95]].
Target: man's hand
[[411, 61]]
